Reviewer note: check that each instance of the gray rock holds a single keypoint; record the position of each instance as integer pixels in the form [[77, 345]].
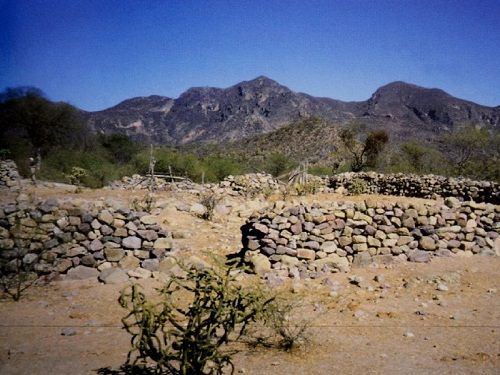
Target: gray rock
[[427, 243], [82, 273], [114, 254], [113, 276], [30, 258], [140, 273], [148, 235], [132, 242], [105, 217], [68, 332], [106, 230], [163, 243], [260, 264], [88, 260], [149, 219], [197, 209], [151, 264], [419, 256], [362, 260], [96, 245]]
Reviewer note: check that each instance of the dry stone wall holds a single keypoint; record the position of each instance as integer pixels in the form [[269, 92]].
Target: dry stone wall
[[307, 240], [426, 186], [9, 175], [52, 238]]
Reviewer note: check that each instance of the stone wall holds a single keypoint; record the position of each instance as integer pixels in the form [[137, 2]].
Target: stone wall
[[9, 175], [426, 186], [334, 236], [55, 238]]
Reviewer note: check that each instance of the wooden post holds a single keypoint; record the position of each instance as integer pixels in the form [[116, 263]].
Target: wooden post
[[152, 163], [170, 171]]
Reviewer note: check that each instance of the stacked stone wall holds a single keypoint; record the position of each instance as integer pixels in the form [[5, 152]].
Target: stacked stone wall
[[54, 238], [426, 186], [9, 175], [334, 236]]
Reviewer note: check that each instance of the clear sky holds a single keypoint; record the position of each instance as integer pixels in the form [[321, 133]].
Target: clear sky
[[95, 53]]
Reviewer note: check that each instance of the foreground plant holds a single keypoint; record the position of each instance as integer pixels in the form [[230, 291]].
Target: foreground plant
[[188, 330], [281, 325]]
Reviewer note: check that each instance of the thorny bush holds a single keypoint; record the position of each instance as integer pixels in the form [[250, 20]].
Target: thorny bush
[[187, 332]]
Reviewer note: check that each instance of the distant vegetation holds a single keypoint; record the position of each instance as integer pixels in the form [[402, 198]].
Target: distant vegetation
[[30, 124]]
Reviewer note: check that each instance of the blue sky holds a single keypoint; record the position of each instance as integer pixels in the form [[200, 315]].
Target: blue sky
[[94, 54]]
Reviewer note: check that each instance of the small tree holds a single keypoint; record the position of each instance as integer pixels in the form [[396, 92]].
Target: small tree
[[277, 164], [465, 145], [363, 153]]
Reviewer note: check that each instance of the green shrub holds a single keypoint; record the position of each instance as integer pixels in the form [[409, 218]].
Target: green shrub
[[320, 170], [277, 164], [188, 330], [281, 325], [358, 186]]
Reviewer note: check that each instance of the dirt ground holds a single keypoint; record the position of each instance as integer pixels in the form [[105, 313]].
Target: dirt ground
[[398, 320]]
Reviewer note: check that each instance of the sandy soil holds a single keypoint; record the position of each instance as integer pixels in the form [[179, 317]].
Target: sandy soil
[[400, 324]]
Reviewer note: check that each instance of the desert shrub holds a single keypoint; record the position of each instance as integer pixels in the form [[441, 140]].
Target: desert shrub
[[358, 186], [417, 157], [188, 330], [277, 164], [305, 188], [76, 175], [145, 203], [58, 165], [320, 170], [120, 148], [217, 167], [209, 200], [281, 325]]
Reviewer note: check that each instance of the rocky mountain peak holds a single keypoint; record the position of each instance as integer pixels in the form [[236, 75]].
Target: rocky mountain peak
[[262, 105]]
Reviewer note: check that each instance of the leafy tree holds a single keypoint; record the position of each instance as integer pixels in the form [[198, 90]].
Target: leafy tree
[[466, 146], [363, 152], [120, 147], [29, 122], [420, 158]]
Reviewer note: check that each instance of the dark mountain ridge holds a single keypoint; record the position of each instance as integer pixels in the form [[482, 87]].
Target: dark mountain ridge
[[261, 105]]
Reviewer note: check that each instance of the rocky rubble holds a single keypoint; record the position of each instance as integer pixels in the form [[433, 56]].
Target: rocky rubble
[[9, 175], [427, 186], [248, 184], [136, 182], [61, 238], [307, 240]]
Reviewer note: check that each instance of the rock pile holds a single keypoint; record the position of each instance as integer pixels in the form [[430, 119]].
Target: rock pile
[[137, 181], [427, 186], [248, 184], [9, 175], [61, 238], [333, 236]]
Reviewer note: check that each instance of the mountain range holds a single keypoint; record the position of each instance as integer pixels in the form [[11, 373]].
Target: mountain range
[[261, 105]]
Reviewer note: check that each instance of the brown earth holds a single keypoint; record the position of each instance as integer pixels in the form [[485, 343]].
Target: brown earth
[[400, 324]]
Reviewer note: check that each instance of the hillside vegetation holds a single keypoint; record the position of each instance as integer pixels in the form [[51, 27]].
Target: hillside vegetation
[[32, 125]]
